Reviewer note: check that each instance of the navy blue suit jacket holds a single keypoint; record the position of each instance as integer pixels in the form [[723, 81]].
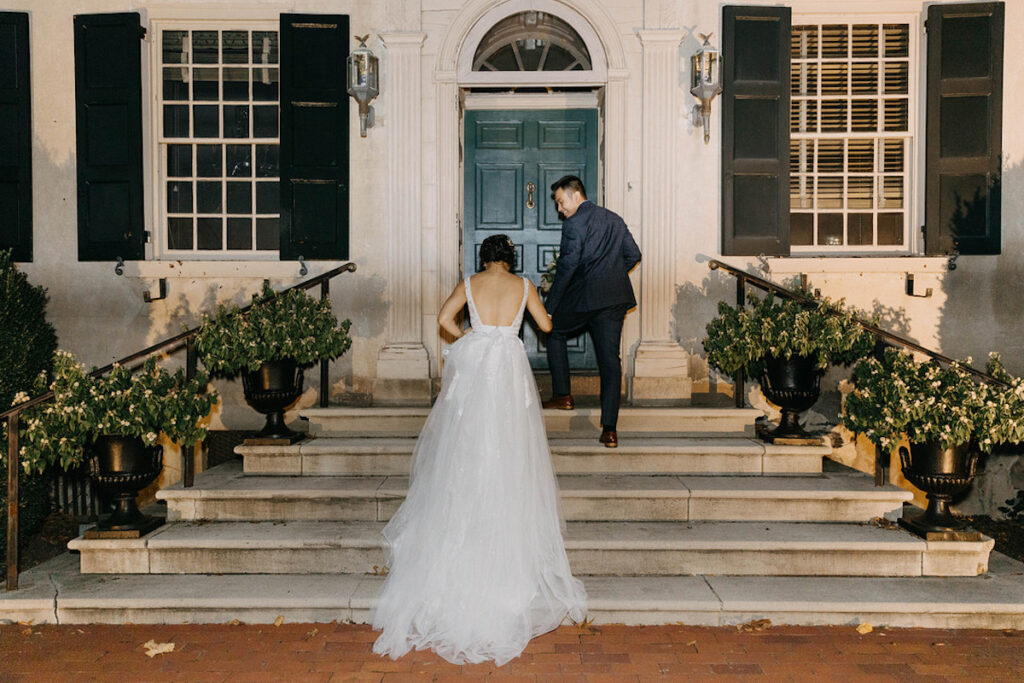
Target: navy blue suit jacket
[[594, 260]]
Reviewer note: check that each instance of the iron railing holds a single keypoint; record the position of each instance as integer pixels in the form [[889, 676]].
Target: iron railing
[[170, 345]]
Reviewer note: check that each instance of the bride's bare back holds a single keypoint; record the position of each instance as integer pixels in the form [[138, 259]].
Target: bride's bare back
[[497, 294]]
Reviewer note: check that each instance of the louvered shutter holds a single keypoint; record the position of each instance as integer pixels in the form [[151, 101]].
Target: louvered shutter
[[15, 137]]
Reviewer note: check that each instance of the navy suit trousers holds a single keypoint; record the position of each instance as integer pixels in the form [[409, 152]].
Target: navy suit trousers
[[605, 327]]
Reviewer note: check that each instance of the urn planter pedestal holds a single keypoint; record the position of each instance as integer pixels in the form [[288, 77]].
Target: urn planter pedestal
[[941, 473], [793, 384], [120, 467], [270, 390]]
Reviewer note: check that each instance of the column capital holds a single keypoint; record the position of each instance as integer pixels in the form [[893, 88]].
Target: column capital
[[399, 39], [660, 37]]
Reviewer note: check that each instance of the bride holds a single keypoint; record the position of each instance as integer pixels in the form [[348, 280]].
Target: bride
[[476, 562]]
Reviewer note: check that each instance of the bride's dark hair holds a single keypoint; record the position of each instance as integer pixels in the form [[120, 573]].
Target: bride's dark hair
[[498, 248]]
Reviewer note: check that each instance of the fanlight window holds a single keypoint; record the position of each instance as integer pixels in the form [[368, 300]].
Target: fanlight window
[[532, 41]]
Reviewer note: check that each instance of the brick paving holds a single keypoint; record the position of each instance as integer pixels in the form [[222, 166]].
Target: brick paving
[[609, 652]]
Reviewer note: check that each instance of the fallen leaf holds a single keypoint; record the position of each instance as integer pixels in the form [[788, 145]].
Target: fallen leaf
[[380, 570], [692, 643], [26, 632], [154, 648], [755, 625], [587, 625], [234, 622], [279, 620], [25, 623], [938, 644], [865, 628], [310, 634]]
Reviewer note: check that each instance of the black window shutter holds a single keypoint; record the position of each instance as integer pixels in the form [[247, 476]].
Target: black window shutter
[[108, 105], [314, 136], [963, 147], [755, 130], [15, 137]]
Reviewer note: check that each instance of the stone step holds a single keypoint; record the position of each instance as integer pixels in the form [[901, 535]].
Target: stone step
[[635, 454], [594, 548], [225, 493], [581, 422], [55, 592]]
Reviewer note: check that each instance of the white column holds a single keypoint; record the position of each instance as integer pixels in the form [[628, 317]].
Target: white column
[[661, 366], [403, 367]]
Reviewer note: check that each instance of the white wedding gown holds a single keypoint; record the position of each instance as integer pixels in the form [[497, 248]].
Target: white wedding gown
[[476, 562]]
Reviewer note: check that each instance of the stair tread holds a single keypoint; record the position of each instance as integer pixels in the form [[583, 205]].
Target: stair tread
[[747, 536], [624, 411]]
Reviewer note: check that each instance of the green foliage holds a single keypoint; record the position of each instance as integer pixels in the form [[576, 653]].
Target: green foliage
[[27, 343], [896, 395], [742, 338], [121, 403], [547, 278], [290, 325]]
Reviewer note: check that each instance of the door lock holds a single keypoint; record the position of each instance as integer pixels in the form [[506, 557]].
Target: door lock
[[530, 189]]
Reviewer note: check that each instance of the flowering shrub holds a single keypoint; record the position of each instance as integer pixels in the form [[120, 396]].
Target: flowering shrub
[[290, 325], [121, 403], [896, 395], [547, 278], [741, 338]]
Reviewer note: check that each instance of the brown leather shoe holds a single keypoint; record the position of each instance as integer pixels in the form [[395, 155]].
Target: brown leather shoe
[[560, 402], [609, 438]]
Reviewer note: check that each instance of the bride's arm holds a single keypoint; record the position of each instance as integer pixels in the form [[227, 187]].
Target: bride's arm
[[451, 307], [537, 310]]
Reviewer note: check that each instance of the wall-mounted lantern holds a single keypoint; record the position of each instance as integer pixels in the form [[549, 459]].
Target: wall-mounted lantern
[[706, 82], [363, 81]]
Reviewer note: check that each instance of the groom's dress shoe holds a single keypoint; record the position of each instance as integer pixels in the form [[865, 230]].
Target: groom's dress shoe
[[609, 438], [560, 402]]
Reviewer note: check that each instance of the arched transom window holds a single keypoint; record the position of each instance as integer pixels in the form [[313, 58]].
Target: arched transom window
[[532, 41]]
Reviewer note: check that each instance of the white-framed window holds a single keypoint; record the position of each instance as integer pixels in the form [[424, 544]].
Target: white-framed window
[[853, 133], [217, 132]]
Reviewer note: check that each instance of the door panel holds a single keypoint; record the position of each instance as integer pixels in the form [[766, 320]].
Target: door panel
[[511, 159]]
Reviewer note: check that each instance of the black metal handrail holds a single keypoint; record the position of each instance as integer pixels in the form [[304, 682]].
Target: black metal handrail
[[170, 345], [744, 278]]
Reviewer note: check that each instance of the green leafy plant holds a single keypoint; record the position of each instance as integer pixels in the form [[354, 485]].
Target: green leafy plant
[[121, 403], [292, 325], [897, 395], [742, 338], [547, 278]]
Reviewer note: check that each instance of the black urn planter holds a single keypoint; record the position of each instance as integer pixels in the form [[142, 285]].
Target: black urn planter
[[794, 385], [271, 389], [941, 473], [120, 467]]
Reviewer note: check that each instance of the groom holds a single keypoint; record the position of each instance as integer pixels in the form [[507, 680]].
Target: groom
[[592, 292]]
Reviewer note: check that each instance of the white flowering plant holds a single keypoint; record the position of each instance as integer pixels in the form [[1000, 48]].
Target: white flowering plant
[[291, 325], [743, 337], [547, 278], [121, 403], [896, 395]]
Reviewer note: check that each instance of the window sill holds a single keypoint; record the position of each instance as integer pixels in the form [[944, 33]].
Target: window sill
[[278, 270], [858, 264]]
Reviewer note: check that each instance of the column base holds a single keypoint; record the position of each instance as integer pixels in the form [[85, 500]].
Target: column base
[[661, 375], [403, 376]]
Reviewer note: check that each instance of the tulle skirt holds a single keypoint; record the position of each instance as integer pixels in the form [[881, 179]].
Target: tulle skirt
[[476, 562]]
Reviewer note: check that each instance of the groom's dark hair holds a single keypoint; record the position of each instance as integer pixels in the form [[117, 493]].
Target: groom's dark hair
[[569, 183], [497, 248]]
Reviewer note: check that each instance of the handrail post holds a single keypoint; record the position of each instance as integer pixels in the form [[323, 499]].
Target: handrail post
[[739, 390], [188, 454], [325, 293], [13, 462]]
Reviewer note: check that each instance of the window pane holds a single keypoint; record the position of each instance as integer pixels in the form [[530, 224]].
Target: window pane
[[235, 49], [179, 161], [860, 192], [861, 156], [864, 79], [175, 44], [804, 42], [801, 229], [205, 83], [179, 196], [239, 197], [205, 46], [267, 198], [240, 233], [176, 121], [897, 78], [208, 161], [890, 229], [801, 156], [175, 87], [179, 233], [210, 234], [206, 120], [865, 40], [804, 79], [801, 191], [264, 47], [896, 115], [804, 116], [208, 197], [892, 192], [834, 41], [267, 165], [859, 230], [264, 85], [864, 116], [830, 229], [893, 159], [830, 193], [267, 233], [264, 122], [833, 116], [834, 77], [236, 120], [830, 156], [897, 40], [239, 161], [236, 85]]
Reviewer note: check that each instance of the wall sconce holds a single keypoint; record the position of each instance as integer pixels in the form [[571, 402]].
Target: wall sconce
[[706, 82], [363, 80]]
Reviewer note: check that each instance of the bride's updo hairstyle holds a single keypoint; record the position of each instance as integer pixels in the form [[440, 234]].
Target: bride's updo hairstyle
[[498, 248]]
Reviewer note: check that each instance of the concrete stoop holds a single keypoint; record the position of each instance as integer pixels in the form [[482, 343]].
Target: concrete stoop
[[55, 592]]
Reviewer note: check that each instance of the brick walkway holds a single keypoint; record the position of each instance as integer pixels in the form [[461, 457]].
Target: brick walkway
[[333, 652]]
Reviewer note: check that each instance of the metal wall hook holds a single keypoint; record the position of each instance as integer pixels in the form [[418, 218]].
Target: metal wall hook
[[910, 288], [161, 287], [119, 268], [303, 270]]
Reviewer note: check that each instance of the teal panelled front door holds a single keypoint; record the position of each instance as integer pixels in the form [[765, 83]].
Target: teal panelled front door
[[511, 159]]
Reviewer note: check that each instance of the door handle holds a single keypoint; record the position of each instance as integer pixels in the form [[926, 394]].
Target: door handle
[[530, 189]]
